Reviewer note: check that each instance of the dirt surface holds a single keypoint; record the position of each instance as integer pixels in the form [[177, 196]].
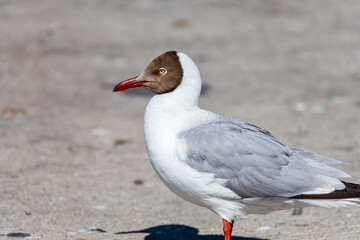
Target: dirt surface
[[72, 152]]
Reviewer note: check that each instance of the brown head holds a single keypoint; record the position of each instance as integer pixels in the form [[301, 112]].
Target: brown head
[[162, 75]]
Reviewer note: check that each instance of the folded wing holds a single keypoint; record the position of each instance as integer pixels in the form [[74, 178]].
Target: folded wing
[[254, 163]]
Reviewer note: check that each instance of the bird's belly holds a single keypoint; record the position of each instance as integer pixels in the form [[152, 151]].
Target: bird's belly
[[197, 187], [202, 189]]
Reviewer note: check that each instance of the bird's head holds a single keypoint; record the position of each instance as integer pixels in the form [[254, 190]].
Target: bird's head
[[162, 75]]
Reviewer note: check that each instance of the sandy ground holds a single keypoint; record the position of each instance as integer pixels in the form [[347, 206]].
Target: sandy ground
[[72, 152]]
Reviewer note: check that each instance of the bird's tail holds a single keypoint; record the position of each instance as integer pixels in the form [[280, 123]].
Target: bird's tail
[[351, 190], [348, 196]]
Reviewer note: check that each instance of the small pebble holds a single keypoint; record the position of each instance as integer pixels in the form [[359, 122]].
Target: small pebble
[[263, 228], [99, 207], [92, 230], [180, 23], [138, 182], [120, 142], [13, 112]]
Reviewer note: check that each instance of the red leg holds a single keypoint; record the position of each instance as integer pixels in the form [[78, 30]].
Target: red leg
[[227, 229]]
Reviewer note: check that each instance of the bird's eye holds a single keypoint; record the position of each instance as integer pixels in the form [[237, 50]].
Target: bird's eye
[[162, 71]]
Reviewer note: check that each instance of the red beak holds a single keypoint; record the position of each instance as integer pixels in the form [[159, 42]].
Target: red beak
[[130, 83]]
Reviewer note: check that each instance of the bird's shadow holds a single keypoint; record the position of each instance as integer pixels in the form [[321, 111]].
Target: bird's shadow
[[180, 232]]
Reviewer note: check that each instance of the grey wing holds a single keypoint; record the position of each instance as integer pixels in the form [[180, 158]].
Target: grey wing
[[254, 163]]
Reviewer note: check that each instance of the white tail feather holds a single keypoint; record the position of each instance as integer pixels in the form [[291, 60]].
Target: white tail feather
[[330, 203], [266, 205]]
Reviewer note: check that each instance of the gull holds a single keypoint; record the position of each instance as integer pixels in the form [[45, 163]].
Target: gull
[[227, 165]]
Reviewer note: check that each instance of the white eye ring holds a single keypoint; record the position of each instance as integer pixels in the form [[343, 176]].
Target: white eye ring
[[162, 71]]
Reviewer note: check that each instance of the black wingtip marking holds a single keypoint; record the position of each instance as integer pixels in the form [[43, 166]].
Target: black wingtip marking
[[351, 190]]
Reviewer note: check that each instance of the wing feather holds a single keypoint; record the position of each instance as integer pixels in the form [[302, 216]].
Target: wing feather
[[255, 163]]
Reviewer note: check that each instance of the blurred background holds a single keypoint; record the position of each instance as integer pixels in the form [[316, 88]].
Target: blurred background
[[73, 164]]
